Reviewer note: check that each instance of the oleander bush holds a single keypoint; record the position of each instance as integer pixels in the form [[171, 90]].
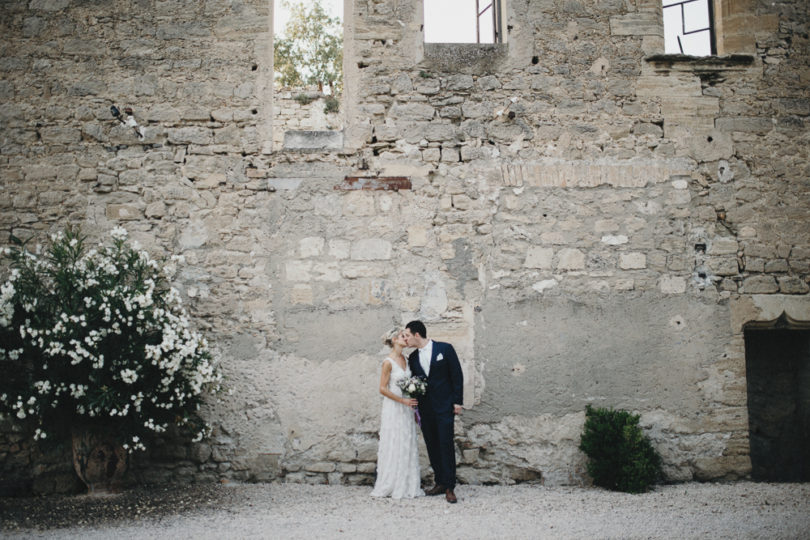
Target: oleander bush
[[98, 338], [620, 456]]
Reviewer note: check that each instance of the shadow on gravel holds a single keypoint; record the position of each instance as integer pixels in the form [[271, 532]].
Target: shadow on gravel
[[61, 511]]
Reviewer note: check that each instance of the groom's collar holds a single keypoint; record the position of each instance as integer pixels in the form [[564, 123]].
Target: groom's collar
[[426, 345]]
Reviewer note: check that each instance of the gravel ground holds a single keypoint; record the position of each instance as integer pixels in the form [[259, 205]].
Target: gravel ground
[[738, 510]]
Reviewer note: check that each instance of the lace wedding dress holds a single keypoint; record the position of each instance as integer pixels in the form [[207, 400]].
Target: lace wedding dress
[[397, 457]]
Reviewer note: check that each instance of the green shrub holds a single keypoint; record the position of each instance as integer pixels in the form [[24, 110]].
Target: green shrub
[[332, 105], [620, 456], [304, 99], [99, 338]]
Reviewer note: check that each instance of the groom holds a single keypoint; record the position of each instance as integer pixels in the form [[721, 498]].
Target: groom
[[438, 363]]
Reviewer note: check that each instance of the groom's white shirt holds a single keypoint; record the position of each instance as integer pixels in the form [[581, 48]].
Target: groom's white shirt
[[424, 356]]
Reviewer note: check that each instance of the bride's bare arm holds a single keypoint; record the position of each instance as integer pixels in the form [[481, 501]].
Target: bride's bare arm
[[385, 376]]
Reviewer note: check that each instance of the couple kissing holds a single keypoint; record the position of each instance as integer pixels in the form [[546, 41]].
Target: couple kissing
[[431, 381]]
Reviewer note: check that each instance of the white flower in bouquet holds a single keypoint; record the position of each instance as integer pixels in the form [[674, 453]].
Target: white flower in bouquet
[[413, 386]]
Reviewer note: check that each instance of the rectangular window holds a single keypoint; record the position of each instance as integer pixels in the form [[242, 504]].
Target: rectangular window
[[689, 27], [308, 75], [464, 21]]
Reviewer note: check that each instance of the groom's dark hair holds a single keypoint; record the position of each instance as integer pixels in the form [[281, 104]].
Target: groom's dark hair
[[417, 327]]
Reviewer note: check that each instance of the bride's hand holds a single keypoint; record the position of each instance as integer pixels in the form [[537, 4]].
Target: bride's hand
[[410, 402]]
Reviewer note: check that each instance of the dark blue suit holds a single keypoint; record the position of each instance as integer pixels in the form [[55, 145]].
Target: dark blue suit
[[444, 389]]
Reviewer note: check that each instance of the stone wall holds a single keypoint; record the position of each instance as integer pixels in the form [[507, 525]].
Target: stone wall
[[587, 220], [303, 109]]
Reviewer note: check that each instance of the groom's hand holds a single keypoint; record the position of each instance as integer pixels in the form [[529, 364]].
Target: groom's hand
[[457, 409]]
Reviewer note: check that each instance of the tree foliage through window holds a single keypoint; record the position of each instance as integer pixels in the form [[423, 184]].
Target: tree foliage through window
[[310, 49]]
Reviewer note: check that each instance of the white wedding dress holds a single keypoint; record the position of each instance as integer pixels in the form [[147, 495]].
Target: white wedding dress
[[397, 457]]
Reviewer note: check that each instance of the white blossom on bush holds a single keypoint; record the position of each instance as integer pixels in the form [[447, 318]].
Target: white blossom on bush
[[99, 336]]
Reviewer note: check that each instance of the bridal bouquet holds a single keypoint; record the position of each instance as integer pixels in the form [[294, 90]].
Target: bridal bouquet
[[413, 386]]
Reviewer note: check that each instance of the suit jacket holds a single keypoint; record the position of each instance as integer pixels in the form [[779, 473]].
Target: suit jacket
[[445, 382]]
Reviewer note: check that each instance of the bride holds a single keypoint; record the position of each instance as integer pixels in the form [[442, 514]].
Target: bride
[[397, 457]]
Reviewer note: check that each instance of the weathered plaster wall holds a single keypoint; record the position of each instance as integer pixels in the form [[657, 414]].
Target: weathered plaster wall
[[587, 222]]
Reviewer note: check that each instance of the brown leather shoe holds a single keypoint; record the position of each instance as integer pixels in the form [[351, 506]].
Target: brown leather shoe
[[435, 490], [450, 496]]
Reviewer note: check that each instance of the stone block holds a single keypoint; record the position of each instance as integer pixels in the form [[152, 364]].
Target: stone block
[[672, 285], [489, 82], [123, 212], [539, 257], [553, 172], [33, 26], [339, 249], [301, 294], [401, 83], [413, 111], [776, 265], [156, 209], [200, 452], [359, 203], [614, 240], [437, 132], [632, 261], [190, 135], [799, 106], [417, 236], [313, 140], [311, 246], [326, 272], [648, 128], [60, 135], [759, 285], [25, 199], [321, 467], [723, 246], [605, 225], [544, 285], [476, 109], [570, 259], [792, 285], [723, 266], [459, 82], [671, 87], [431, 154], [371, 249], [755, 124], [41, 172], [646, 23], [450, 155]]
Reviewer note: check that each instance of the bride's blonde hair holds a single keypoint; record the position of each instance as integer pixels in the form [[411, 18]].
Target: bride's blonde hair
[[388, 337]]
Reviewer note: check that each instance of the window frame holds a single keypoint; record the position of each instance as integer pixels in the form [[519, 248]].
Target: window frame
[[711, 28]]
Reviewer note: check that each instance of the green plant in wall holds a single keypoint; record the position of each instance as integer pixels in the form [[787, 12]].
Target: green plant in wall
[[97, 337], [304, 99], [331, 105], [620, 456], [310, 51]]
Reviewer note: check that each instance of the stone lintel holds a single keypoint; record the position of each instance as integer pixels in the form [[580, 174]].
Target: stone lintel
[[701, 63], [376, 183], [313, 141]]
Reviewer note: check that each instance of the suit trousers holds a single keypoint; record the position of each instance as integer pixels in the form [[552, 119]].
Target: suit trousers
[[437, 429]]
